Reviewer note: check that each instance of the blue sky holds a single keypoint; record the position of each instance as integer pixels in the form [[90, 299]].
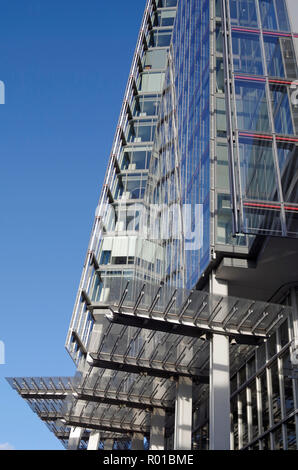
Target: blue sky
[[65, 65]]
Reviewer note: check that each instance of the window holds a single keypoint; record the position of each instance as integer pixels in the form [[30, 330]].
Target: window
[[243, 13], [291, 434], [271, 346], [247, 53], [276, 403], [278, 439], [151, 82], [251, 103], [105, 257], [160, 38], [287, 371], [166, 3], [165, 18], [265, 403], [136, 159], [254, 409], [97, 289], [147, 105], [219, 38], [222, 167], [156, 59], [288, 164], [258, 176], [221, 122], [274, 15], [280, 57], [220, 84], [281, 110], [141, 131], [243, 417]]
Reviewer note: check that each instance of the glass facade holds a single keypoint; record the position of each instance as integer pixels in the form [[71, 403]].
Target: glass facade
[[261, 63], [114, 249], [180, 167]]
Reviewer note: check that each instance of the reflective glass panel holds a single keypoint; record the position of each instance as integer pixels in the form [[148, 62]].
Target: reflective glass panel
[[281, 110], [251, 103], [258, 175], [243, 13], [247, 53], [274, 15], [288, 164]]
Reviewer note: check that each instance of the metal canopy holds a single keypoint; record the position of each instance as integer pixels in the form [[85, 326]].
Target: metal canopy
[[148, 353], [126, 387], [144, 367], [198, 310]]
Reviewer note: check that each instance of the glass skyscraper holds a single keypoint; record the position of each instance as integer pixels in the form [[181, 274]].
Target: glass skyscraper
[[185, 325]]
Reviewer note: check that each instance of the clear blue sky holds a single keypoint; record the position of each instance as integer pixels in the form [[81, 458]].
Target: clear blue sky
[[65, 64]]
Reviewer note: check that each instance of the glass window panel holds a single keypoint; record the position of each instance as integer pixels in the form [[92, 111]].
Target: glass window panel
[[276, 403], [224, 228], [219, 38], [97, 289], [265, 402], [291, 434], [284, 334], [271, 346], [145, 105], [152, 82], [274, 15], [220, 83], [292, 220], [264, 221], [243, 13], [258, 176], [234, 383], [288, 164], [251, 367], [221, 120], [281, 110], [243, 417], [105, 257], [234, 423], [166, 18], [278, 439], [261, 356], [222, 167], [274, 58], [156, 59], [251, 103], [242, 375], [280, 57], [254, 409], [287, 371], [218, 8], [266, 445], [247, 53], [166, 3]]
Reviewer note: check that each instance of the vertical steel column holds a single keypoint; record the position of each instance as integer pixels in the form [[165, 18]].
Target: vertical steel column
[[75, 438], [219, 393], [93, 441], [157, 431], [137, 442], [183, 414]]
